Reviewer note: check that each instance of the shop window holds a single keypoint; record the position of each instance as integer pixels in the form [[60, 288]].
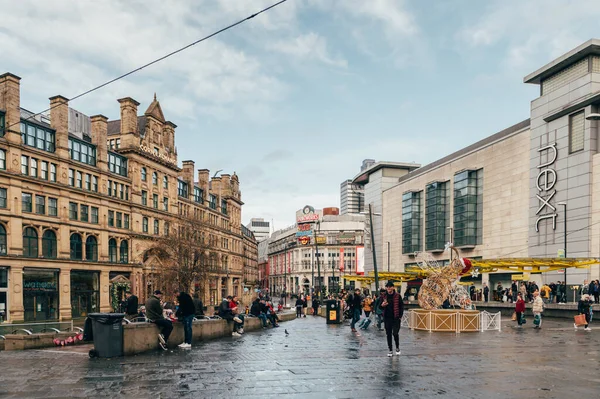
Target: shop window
[[2, 239], [49, 244], [124, 252], [112, 250], [91, 249], [40, 294], [144, 174], [76, 247], [85, 293]]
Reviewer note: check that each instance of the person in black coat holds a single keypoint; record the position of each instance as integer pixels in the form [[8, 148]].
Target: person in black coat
[[299, 305], [185, 314], [198, 305], [131, 305]]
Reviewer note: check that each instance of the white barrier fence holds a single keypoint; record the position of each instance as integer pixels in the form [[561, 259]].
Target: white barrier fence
[[452, 322]]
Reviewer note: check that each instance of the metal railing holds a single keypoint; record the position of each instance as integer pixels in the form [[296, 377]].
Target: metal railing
[[36, 328]]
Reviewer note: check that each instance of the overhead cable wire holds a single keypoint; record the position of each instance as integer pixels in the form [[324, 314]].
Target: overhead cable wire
[[157, 60]]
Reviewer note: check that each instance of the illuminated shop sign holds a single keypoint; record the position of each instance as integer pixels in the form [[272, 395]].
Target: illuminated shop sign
[[545, 182], [304, 233]]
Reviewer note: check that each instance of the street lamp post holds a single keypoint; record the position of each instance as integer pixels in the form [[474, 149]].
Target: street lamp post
[[373, 247], [564, 204], [318, 262], [388, 243], [451, 240]]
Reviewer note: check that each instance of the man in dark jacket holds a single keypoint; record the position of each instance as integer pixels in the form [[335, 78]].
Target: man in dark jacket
[[185, 314], [154, 313], [131, 305], [198, 305], [299, 304], [256, 310], [226, 311], [355, 304], [393, 309]]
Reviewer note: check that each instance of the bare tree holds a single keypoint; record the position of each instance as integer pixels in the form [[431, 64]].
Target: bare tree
[[183, 254]]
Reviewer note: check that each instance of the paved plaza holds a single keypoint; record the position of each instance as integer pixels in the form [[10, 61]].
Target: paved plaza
[[327, 361]]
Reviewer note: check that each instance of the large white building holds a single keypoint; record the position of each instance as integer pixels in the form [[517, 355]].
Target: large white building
[[317, 251], [515, 193], [260, 227]]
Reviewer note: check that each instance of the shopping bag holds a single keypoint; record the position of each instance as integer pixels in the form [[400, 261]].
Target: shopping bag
[[580, 320], [523, 319], [514, 316], [537, 320]]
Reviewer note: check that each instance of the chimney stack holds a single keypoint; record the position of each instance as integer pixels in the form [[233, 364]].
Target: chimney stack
[[59, 121], [129, 116], [10, 101], [99, 136], [188, 175], [203, 178]]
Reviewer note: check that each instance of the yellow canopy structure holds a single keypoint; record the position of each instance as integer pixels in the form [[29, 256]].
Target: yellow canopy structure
[[512, 265]]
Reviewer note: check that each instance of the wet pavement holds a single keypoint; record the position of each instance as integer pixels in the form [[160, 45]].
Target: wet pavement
[[320, 361]]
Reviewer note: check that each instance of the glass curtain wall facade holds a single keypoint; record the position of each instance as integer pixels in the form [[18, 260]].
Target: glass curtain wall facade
[[411, 222], [436, 215], [468, 207]]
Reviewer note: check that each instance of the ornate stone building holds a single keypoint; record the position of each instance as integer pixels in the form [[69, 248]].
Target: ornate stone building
[[82, 199]]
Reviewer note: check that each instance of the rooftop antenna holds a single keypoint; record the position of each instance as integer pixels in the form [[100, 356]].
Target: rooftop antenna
[[216, 173]]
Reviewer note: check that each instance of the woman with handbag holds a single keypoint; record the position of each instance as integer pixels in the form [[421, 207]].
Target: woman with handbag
[[583, 307], [519, 309]]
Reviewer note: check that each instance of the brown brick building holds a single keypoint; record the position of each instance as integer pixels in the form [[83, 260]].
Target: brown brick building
[[82, 199]]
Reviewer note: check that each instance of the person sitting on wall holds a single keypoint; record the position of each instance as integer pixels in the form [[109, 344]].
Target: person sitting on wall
[[255, 310], [198, 305], [154, 313], [131, 305]]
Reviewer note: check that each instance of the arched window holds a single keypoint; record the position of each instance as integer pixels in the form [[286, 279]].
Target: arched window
[[112, 250], [156, 227], [49, 244], [124, 252], [2, 239], [145, 225], [91, 248], [154, 178], [165, 181], [144, 174], [76, 247], [30, 243]]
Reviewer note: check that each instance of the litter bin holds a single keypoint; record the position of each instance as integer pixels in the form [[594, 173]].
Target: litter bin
[[107, 329], [333, 312]]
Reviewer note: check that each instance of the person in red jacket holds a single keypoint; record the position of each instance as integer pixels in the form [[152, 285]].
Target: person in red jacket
[[520, 309]]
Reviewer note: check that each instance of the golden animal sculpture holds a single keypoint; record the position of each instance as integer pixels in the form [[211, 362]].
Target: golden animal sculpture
[[438, 285]]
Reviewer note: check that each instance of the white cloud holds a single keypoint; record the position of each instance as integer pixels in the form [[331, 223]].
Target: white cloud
[[309, 46]]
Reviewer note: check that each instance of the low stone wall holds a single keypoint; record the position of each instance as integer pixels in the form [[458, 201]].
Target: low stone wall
[[14, 342], [142, 337]]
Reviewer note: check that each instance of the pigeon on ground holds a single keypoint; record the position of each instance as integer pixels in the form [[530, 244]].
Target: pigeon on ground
[[287, 333]]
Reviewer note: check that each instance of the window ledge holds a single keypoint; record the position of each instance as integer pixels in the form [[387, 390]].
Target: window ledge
[[467, 246]]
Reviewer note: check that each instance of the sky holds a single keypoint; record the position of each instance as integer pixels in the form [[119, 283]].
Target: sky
[[294, 99]]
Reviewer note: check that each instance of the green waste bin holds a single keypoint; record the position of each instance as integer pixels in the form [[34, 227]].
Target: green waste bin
[[107, 329], [333, 313]]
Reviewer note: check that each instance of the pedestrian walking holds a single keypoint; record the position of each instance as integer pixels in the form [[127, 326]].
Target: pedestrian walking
[[154, 313], [584, 307], [354, 303], [393, 309], [520, 309], [131, 305], [185, 313], [299, 304], [304, 305], [538, 308], [486, 292], [596, 291], [315, 307]]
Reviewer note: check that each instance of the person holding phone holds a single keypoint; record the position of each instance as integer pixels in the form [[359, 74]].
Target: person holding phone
[[393, 309]]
